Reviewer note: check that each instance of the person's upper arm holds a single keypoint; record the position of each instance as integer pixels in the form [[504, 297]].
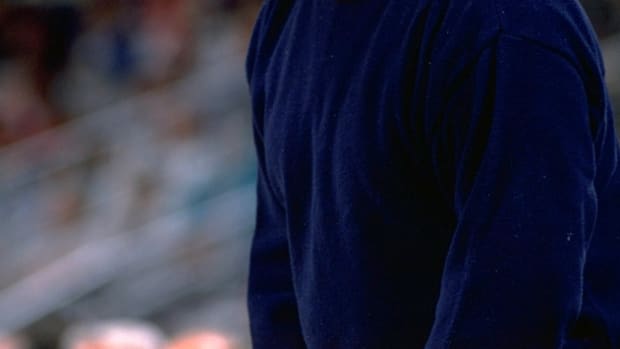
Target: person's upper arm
[[271, 298], [272, 306], [517, 153]]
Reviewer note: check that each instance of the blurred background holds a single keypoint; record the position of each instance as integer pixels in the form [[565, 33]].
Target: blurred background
[[127, 170]]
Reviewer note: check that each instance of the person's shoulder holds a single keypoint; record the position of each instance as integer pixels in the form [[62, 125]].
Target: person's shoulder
[[270, 19], [559, 25], [544, 20], [552, 22]]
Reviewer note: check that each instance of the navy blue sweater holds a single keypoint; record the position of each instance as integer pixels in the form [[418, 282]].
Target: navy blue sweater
[[432, 174]]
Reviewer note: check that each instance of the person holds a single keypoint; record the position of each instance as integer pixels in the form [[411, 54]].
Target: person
[[202, 339], [432, 174], [113, 334]]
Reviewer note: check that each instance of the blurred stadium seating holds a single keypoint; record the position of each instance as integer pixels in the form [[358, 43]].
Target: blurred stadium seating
[[127, 170]]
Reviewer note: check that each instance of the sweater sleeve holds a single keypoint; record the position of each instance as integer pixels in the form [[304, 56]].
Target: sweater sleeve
[[271, 300], [517, 156]]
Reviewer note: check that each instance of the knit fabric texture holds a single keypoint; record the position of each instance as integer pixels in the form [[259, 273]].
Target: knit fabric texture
[[432, 174]]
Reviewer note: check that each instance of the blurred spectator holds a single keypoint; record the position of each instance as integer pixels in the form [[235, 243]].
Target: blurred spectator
[[121, 334], [164, 39], [23, 110], [605, 15], [34, 46], [13, 342], [127, 46], [202, 340], [102, 61]]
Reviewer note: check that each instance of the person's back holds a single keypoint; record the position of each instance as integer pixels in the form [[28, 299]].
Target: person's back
[[436, 173]]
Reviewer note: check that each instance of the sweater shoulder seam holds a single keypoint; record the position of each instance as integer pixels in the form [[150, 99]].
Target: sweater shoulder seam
[[543, 46]]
